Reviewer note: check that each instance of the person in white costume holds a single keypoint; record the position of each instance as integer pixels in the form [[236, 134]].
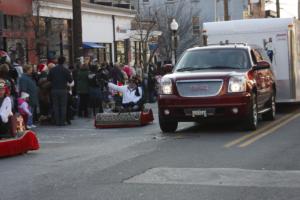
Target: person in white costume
[[132, 94]]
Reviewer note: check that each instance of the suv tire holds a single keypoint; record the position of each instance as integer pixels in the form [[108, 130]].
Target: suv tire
[[270, 115], [167, 126], [251, 120]]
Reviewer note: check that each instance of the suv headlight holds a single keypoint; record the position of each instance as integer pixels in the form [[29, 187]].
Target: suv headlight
[[166, 86], [237, 84]]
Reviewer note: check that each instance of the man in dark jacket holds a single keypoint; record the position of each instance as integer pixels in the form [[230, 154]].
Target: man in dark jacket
[[59, 77]]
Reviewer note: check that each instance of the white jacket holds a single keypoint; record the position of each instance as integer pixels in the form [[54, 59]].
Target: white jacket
[[128, 95], [5, 109]]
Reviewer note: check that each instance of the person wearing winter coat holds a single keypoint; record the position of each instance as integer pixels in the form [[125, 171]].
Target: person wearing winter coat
[[117, 73], [44, 92], [95, 92], [82, 89], [24, 109], [59, 77], [28, 85]]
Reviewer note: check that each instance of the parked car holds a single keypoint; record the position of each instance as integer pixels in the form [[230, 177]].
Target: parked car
[[228, 81]]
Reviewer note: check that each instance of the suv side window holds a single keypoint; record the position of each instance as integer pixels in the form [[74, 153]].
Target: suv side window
[[253, 57], [264, 55], [257, 55]]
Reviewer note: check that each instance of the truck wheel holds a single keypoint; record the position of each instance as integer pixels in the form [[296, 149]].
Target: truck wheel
[[252, 117], [270, 115], [167, 126]]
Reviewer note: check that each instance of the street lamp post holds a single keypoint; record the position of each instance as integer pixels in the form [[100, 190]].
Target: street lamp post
[[174, 27]]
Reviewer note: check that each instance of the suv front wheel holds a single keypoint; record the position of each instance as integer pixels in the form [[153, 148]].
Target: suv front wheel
[[251, 120], [167, 126], [270, 115]]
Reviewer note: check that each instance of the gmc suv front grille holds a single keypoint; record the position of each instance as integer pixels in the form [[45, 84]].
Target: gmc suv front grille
[[199, 88]]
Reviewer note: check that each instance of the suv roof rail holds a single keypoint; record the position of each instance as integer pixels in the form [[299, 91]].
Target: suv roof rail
[[228, 43]]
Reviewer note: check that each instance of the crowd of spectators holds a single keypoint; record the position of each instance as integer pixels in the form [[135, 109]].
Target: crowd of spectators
[[55, 92]]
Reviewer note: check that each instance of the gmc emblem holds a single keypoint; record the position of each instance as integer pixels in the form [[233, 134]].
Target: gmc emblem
[[199, 87]]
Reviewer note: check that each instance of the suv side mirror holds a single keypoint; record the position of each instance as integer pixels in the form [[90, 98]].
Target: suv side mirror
[[262, 65], [167, 69]]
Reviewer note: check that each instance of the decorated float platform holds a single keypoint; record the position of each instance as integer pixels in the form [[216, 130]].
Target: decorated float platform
[[124, 119], [18, 141], [19, 144]]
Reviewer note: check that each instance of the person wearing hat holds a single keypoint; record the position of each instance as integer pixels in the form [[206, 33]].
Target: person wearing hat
[[5, 109], [42, 68], [132, 94], [24, 110]]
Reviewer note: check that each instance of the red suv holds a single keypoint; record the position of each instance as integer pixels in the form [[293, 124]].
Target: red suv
[[228, 81]]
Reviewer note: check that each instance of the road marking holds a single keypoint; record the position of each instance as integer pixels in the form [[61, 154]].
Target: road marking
[[272, 130], [280, 122], [52, 142], [219, 177]]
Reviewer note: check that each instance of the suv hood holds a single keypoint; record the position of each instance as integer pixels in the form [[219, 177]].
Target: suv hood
[[204, 74]]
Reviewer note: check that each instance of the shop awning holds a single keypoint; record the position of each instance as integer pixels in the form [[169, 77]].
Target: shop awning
[[92, 45]]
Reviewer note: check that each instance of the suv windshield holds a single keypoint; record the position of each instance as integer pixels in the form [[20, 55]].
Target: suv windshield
[[214, 59]]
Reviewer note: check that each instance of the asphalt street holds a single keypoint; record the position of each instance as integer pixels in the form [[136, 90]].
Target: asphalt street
[[214, 160]]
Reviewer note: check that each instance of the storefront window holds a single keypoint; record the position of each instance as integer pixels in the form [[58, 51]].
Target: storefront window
[[65, 45], [136, 49], [17, 49], [91, 53], [120, 52], [108, 51], [57, 33], [54, 28], [103, 55]]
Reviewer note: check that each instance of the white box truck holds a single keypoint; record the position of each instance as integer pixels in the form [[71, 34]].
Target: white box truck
[[279, 37]]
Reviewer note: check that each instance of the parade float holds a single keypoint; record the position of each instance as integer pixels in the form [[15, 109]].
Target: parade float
[[124, 119], [18, 140], [15, 139]]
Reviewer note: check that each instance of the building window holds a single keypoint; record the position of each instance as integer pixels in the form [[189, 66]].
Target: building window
[[196, 25], [105, 53], [170, 1], [17, 49], [120, 52], [108, 56], [8, 22], [14, 23]]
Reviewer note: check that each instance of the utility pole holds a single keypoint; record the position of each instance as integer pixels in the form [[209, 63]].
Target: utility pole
[[278, 8], [298, 9], [114, 39], [215, 8], [226, 15], [1, 29], [77, 30]]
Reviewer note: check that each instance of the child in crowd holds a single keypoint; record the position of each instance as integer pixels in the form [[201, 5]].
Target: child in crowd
[[24, 110]]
